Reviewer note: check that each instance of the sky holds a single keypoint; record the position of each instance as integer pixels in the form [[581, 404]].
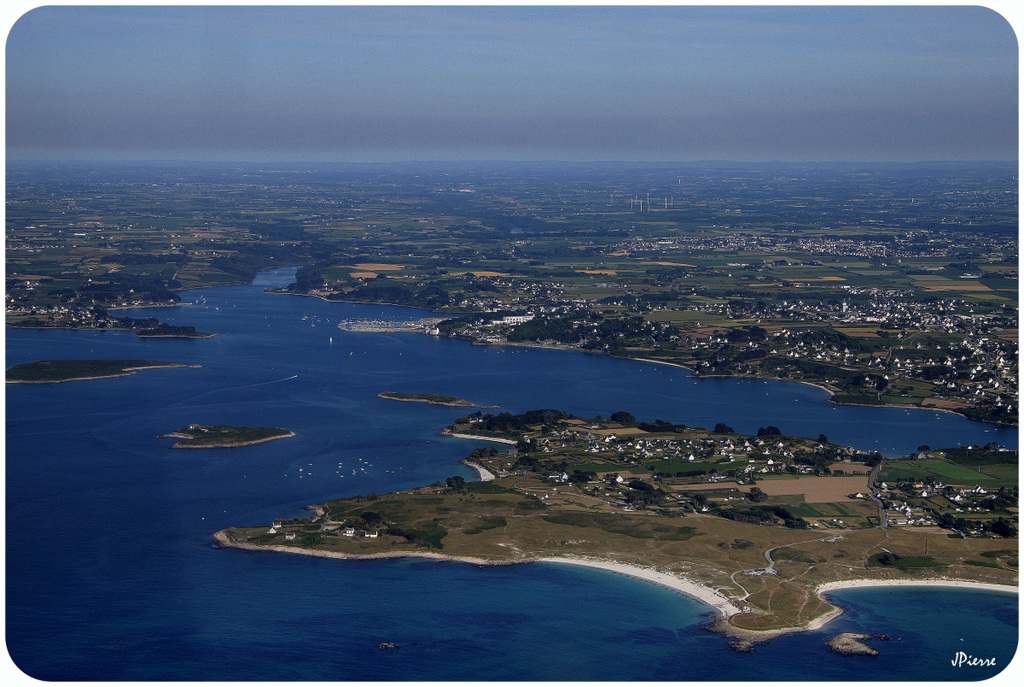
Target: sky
[[421, 82]]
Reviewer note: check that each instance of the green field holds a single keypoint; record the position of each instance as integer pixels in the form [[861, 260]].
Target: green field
[[948, 472]]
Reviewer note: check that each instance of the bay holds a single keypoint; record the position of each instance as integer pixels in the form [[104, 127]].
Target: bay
[[111, 574]]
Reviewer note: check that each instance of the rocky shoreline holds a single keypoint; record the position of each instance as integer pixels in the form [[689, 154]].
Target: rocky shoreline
[[744, 640]]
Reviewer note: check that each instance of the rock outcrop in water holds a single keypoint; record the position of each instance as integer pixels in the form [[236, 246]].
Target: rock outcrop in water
[[851, 644]]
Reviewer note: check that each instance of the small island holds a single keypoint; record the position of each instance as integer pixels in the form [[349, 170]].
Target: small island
[[222, 436], [433, 399], [55, 371], [166, 331]]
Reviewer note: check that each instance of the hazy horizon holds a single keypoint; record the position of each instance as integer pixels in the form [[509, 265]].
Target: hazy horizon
[[354, 84]]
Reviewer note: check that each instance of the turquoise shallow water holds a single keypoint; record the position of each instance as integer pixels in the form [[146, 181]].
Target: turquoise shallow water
[[111, 574]]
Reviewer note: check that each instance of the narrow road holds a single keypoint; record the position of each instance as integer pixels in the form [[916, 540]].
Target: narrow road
[[770, 569], [883, 517]]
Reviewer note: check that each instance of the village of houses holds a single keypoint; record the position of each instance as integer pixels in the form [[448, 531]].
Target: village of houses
[[581, 461], [606, 466]]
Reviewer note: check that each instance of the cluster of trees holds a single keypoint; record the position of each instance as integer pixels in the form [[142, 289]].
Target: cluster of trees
[[561, 329], [643, 494], [379, 290], [756, 495], [508, 423], [626, 418], [163, 329], [368, 520], [383, 290], [117, 289], [763, 515], [582, 476], [661, 426], [1000, 526], [241, 266], [429, 535], [99, 318], [747, 335]]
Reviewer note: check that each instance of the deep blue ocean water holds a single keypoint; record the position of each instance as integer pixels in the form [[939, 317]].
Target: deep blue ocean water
[[111, 574]]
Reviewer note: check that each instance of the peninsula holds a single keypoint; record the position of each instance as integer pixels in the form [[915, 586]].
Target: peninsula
[[672, 505], [433, 399], [221, 436], [55, 371]]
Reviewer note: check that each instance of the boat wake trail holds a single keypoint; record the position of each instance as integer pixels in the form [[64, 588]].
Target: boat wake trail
[[272, 381]]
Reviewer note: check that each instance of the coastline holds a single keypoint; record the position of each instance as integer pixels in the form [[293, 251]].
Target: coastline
[[831, 392], [710, 597], [723, 607]]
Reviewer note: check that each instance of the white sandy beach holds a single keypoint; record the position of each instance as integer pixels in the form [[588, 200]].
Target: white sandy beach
[[962, 584], [485, 474], [700, 592]]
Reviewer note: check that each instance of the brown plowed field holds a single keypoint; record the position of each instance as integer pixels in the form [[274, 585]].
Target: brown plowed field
[[814, 489]]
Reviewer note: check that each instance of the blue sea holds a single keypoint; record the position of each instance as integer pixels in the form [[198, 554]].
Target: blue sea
[[112, 576]]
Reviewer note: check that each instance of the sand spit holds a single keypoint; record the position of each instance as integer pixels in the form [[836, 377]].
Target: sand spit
[[479, 438]]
